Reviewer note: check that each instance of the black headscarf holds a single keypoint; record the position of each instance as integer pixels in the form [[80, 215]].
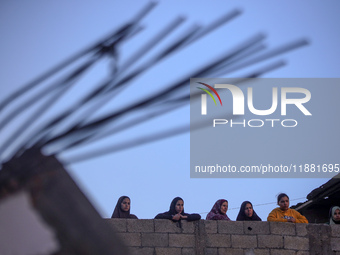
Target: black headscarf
[[119, 213], [172, 211], [243, 217]]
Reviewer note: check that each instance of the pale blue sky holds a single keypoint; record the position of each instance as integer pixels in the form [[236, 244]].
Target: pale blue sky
[[37, 35]]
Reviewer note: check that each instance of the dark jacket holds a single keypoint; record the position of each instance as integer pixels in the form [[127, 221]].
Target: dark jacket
[[169, 214]]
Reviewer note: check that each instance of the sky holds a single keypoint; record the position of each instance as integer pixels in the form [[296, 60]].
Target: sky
[[38, 35]]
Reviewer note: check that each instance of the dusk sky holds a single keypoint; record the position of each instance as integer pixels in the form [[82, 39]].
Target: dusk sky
[[37, 35]]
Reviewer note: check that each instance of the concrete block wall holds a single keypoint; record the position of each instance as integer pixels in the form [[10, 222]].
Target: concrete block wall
[[162, 237]]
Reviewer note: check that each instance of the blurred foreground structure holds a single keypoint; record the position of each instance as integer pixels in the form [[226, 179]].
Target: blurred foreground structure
[[35, 184], [42, 211]]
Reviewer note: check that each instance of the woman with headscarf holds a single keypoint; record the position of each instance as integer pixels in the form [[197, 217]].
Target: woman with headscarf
[[176, 212], [334, 215], [283, 213], [219, 211], [247, 213], [122, 209]]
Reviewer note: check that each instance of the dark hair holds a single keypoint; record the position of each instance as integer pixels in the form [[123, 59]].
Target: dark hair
[[281, 195], [118, 212], [173, 205]]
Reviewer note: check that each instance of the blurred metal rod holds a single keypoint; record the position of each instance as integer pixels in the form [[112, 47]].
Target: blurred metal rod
[[134, 142], [70, 143], [166, 31], [108, 96], [110, 91], [22, 107], [171, 105], [158, 136], [183, 99], [34, 117], [149, 45], [254, 74], [96, 124], [190, 36], [160, 95], [16, 94], [134, 122], [129, 144], [232, 61], [270, 54], [214, 25]]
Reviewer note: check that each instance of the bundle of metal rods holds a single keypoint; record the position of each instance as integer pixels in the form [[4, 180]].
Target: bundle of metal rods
[[86, 129]]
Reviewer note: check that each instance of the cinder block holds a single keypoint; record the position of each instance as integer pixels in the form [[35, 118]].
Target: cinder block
[[282, 228], [230, 251], [211, 251], [168, 251], [188, 251], [296, 243], [270, 241], [256, 227], [301, 229], [130, 239], [303, 253], [335, 230], [243, 241], [210, 226], [230, 227], [141, 251], [181, 240], [319, 236], [249, 252], [223, 237], [282, 252], [144, 226], [335, 244], [155, 239], [261, 252], [188, 227], [119, 225], [218, 240], [167, 226]]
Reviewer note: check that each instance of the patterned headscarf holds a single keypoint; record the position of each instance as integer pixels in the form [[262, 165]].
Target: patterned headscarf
[[215, 213]]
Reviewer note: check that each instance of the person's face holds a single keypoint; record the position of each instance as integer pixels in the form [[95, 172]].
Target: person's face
[[284, 203], [248, 210], [125, 205], [224, 207], [179, 206], [336, 215]]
